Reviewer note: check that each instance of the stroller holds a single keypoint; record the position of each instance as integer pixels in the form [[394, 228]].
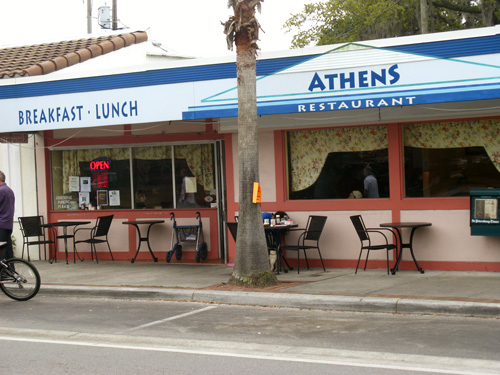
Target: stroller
[[187, 233]]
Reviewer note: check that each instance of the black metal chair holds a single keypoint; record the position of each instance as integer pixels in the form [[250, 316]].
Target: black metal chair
[[98, 234], [308, 239], [34, 234], [367, 242]]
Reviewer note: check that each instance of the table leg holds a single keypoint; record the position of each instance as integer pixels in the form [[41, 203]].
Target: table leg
[[399, 252], [65, 233], [54, 233], [149, 245], [402, 246], [139, 242], [410, 245]]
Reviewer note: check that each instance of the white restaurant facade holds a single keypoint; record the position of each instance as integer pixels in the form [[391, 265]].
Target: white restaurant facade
[[423, 111]]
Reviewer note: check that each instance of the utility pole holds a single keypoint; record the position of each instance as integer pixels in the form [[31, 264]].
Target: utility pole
[[89, 16], [115, 15]]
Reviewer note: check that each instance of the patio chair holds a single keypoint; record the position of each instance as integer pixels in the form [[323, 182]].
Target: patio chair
[[98, 234], [367, 242], [33, 234], [308, 239]]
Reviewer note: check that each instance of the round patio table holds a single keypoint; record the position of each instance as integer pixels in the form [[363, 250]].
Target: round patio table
[[409, 245], [142, 239]]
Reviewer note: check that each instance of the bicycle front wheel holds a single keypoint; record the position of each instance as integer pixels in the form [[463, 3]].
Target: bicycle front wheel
[[20, 280]]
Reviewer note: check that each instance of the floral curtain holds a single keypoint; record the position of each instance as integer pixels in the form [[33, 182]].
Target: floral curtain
[[152, 152], [309, 149], [483, 133], [199, 158], [72, 158]]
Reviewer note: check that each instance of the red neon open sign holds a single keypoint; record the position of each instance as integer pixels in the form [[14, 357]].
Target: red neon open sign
[[101, 164]]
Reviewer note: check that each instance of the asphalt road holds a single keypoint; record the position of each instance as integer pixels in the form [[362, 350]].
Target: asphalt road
[[60, 335]]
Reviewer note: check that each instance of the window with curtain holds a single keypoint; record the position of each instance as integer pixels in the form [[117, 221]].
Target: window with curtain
[[96, 177], [152, 167], [194, 171], [338, 163], [448, 159], [158, 173]]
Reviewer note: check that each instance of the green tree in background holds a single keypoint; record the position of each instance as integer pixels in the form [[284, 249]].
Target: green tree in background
[[341, 21]]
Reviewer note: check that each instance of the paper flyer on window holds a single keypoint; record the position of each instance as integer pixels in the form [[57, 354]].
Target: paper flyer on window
[[114, 197], [74, 183], [85, 184]]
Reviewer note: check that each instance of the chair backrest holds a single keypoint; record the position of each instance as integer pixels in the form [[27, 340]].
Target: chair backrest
[[102, 225], [233, 229], [314, 228], [31, 226], [360, 227]]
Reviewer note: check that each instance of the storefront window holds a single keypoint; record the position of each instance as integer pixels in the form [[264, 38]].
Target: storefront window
[[91, 177], [195, 178], [338, 163], [180, 176], [448, 159], [153, 177]]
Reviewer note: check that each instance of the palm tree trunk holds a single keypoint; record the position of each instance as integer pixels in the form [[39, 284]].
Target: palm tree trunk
[[251, 265]]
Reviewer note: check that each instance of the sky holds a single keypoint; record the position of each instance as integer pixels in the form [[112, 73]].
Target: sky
[[189, 27]]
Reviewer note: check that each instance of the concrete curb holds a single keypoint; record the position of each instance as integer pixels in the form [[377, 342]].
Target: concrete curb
[[290, 300]]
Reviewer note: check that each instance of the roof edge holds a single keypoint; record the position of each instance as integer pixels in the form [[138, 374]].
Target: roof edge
[[107, 46]]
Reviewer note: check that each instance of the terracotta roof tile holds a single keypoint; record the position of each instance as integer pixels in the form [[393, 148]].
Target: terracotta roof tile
[[49, 57]]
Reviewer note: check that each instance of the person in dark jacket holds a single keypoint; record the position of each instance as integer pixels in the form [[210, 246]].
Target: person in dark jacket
[[7, 202]]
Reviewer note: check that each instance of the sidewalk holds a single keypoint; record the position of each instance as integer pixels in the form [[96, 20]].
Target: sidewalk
[[434, 292]]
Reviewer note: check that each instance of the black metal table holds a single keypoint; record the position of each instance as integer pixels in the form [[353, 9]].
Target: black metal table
[[65, 225], [142, 239], [280, 230], [409, 245]]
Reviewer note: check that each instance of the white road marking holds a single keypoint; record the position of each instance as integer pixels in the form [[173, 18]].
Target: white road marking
[[418, 363], [171, 318]]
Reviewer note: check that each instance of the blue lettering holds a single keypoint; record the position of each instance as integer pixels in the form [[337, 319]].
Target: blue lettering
[[344, 80], [134, 109], [28, 117], [380, 78], [395, 75], [58, 113], [331, 78], [363, 78], [65, 115], [42, 117], [105, 110], [351, 80], [79, 107], [316, 83], [51, 115], [35, 116], [115, 110], [21, 117]]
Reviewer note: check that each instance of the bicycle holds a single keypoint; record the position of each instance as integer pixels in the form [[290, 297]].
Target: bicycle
[[19, 279]]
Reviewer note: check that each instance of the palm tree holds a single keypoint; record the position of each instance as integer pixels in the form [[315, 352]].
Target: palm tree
[[251, 266]]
